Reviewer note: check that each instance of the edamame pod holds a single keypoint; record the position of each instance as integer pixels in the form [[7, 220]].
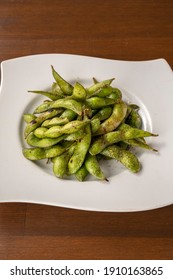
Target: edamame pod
[[116, 94], [40, 132], [99, 102], [95, 124], [103, 114], [69, 114], [57, 91], [45, 106], [124, 132], [68, 128], [128, 159], [93, 167], [38, 121], [64, 85], [34, 141], [75, 136], [41, 153], [80, 151], [55, 121], [60, 163], [97, 86], [103, 91], [79, 92], [132, 132], [134, 119], [29, 117], [67, 104], [117, 116], [140, 144], [81, 173], [48, 94]]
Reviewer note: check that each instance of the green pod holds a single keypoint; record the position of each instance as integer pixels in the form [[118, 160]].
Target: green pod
[[80, 151], [116, 94], [68, 128], [67, 104], [29, 117], [34, 153], [128, 159], [57, 91], [99, 102], [69, 114], [40, 132], [129, 132], [134, 119], [103, 114], [140, 144], [96, 86], [38, 121], [64, 85], [95, 124], [60, 163], [42, 153], [103, 91], [82, 173], [55, 121], [79, 92], [46, 142], [124, 132], [75, 136], [45, 106], [129, 109], [48, 94], [117, 116], [93, 167]]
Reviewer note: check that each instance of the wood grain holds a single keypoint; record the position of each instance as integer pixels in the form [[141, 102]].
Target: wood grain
[[125, 30]]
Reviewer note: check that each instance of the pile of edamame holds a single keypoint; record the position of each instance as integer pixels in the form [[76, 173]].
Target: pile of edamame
[[76, 127]]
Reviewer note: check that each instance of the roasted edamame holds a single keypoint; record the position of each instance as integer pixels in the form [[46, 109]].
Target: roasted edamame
[[76, 126]]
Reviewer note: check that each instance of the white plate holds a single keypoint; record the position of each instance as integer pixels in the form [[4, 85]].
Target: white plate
[[148, 84]]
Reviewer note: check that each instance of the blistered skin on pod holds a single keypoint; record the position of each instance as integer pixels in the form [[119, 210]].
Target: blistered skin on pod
[[117, 116], [82, 173], [60, 163], [29, 117], [46, 142], [38, 121], [99, 102], [68, 128], [125, 132], [134, 119], [93, 167], [128, 159], [55, 121], [68, 104], [103, 114], [80, 151], [139, 143], [42, 153], [99, 85]]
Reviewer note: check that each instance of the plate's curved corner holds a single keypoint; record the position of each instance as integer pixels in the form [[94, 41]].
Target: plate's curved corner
[[165, 63]]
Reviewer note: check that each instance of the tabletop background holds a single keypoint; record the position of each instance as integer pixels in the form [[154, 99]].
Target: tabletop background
[[121, 30]]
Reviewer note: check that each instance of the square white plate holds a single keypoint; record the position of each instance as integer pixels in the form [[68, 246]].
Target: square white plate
[[148, 84]]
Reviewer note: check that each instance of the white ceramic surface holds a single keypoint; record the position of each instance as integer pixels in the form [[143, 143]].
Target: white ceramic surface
[[146, 83]]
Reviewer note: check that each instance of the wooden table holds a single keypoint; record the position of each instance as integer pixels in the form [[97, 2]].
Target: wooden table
[[124, 30]]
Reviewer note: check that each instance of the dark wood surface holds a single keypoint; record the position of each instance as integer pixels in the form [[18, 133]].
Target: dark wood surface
[[125, 30]]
